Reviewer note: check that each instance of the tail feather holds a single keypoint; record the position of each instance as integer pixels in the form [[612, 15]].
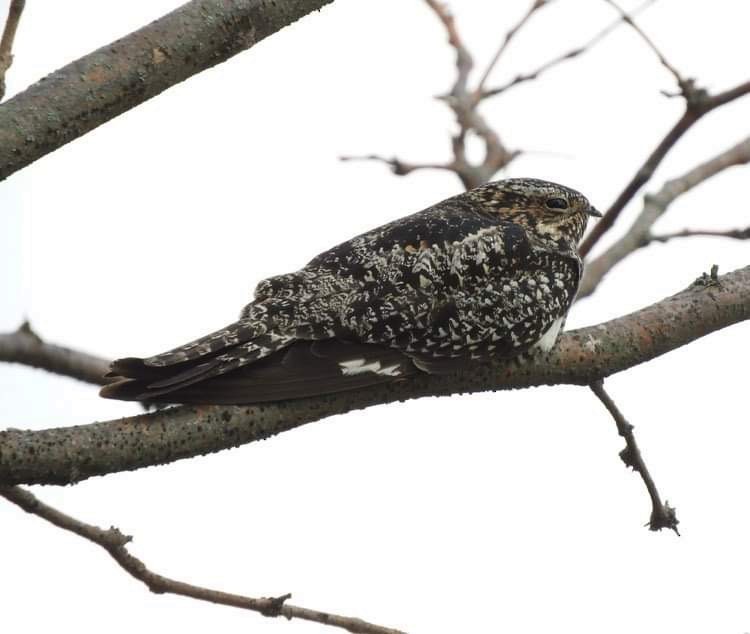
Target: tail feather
[[229, 336]]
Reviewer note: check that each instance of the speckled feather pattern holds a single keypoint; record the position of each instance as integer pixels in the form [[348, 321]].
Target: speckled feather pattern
[[483, 274]]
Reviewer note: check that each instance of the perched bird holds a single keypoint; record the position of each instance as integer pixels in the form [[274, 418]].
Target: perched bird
[[490, 273]]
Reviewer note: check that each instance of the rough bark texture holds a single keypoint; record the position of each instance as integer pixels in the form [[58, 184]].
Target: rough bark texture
[[96, 88], [70, 454]]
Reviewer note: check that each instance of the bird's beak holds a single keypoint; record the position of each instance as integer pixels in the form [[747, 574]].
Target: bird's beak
[[593, 211]]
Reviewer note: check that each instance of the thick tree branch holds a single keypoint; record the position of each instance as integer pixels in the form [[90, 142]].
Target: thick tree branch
[[24, 346], [114, 542], [654, 207], [15, 10], [70, 454], [96, 88]]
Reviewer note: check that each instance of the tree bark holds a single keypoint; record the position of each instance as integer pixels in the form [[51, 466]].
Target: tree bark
[[115, 78]]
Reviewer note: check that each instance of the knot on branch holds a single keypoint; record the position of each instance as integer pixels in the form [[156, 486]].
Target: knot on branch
[[115, 538], [273, 605], [708, 279]]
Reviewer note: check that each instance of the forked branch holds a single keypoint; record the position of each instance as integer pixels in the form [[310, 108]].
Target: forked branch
[[654, 207], [698, 103]]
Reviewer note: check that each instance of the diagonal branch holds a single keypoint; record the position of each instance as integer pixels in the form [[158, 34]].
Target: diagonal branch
[[654, 207], [70, 454], [535, 6], [114, 542], [115, 78], [662, 515], [696, 106], [15, 10], [26, 347], [628, 19]]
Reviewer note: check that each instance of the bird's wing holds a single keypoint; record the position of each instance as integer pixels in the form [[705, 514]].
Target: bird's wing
[[303, 368], [502, 314], [491, 292], [441, 286]]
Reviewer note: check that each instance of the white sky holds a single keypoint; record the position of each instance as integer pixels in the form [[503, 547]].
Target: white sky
[[493, 512]]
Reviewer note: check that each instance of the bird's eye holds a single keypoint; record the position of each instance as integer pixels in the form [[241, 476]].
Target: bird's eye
[[557, 203]]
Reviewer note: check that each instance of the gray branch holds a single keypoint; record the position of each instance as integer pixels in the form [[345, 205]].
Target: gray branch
[[26, 347], [115, 543], [70, 454], [115, 78], [654, 207]]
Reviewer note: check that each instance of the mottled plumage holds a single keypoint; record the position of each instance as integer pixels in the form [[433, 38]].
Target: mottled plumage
[[486, 274]]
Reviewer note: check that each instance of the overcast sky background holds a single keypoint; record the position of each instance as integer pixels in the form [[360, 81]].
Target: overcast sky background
[[493, 512]]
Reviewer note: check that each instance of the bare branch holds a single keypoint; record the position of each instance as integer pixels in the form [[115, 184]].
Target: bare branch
[[571, 54], [662, 515], [695, 108], [114, 542], [464, 61], [535, 6], [681, 81], [26, 347], [654, 207], [399, 167], [463, 102], [15, 10], [736, 234], [117, 77], [70, 454]]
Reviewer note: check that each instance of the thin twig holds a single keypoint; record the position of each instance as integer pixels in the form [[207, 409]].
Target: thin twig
[[662, 515], [535, 6], [628, 19], [735, 234], [654, 207], [568, 55], [114, 542], [26, 347], [15, 10], [399, 167]]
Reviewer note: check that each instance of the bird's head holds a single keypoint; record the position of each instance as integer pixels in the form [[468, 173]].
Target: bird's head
[[546, 209]]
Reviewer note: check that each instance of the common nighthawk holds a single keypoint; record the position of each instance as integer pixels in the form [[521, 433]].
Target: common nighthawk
[[489, 273]]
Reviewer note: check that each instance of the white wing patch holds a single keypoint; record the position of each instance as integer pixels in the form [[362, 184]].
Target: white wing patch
[[547, 342], [359, 366]]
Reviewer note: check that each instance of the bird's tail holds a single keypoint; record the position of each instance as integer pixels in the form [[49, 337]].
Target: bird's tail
[[155, 378]]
